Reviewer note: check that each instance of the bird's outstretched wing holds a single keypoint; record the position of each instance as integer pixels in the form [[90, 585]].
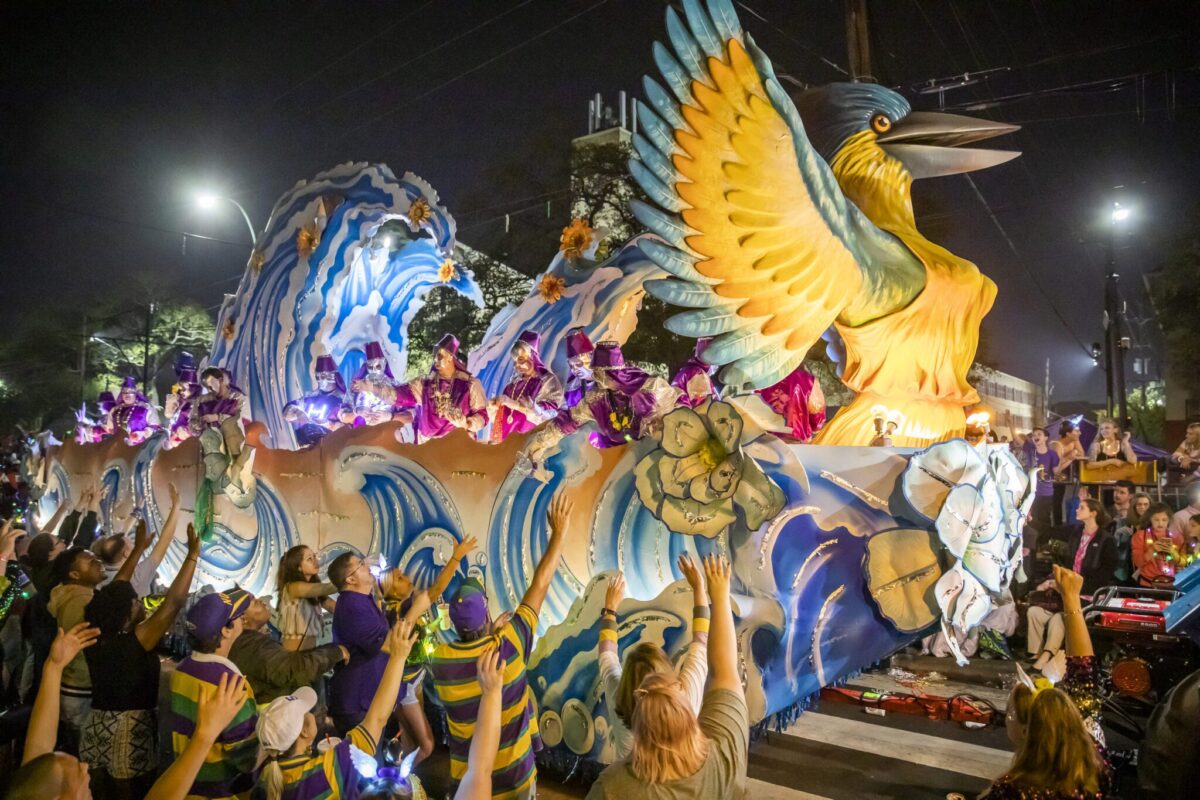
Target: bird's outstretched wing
[[760, 240]]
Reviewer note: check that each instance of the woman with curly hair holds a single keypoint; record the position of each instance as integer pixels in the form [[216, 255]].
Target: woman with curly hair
[[119, 739]]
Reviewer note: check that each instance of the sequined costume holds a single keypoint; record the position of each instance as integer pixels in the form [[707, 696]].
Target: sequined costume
[[88, 431], [527, 400], [132, 415], [177, 408], [694, 379], [625, 404], [373, 392], [579, 361], [319, 412], [444, 403]]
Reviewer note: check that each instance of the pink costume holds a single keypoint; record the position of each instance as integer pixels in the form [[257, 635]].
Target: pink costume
[[527, 401], [799, 400], [443, 404]]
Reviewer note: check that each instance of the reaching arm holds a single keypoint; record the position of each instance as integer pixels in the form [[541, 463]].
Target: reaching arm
[[694, 670], [477, 783], [151, 630], [399, 645], [722, 644], [560, 510], [299, 590], [52, 524], [1079, 642], [215, 712], [43, 720], [140, 543], [610, 661], [167, 534], [425, 600]]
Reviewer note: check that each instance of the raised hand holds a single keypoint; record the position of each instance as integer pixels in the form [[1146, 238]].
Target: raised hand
[[491, 670], [1069, 583], [173, 493], [68, 644], [8, 539], [218, 709], [401, 639], [142, 540], [499, 622], [716, 571], [465, 546], [694, 578], [615, 592], [560, 511], [193, 541]]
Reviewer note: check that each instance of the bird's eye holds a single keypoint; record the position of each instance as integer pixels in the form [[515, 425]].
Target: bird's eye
[[881, 123]]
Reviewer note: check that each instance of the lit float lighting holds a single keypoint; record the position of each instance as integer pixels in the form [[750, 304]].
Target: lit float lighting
[[887, 422]]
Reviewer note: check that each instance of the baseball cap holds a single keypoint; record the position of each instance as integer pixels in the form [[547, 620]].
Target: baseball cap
[[468, 610], [214, 611], [282, 721]]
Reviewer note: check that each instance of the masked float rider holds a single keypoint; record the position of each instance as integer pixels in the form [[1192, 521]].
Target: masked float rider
[[132, 415], [89, 432], [218, 420], [579, 362], [177, 408], [372, 392], [448, 397], [532, 397], [317, 413]]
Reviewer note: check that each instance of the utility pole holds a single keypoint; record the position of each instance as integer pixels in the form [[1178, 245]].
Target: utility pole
[[1115, 341], [83, 343], [146, 350], [858, 41]]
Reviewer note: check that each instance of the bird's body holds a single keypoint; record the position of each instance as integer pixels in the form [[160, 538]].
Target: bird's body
[[781, 219]]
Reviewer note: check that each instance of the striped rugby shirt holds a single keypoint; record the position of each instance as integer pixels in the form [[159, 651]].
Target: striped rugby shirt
[[328, 776], [228, 768], [455, 677]]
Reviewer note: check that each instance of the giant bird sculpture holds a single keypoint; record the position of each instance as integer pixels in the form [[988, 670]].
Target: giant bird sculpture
[[780, 219]]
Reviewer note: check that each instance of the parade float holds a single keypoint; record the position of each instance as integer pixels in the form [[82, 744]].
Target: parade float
[[775, 221]]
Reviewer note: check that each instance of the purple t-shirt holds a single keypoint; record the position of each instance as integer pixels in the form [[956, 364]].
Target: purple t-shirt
[[361, 627], [1048, 461]]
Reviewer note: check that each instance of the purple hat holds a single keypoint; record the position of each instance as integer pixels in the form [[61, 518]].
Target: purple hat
[[533, 341], [106, 401], [468, 610], [450, 344], [578, 343], [327, 366], [214, 611], [608, 356], [374, 351], [185, 368], [129, 384]]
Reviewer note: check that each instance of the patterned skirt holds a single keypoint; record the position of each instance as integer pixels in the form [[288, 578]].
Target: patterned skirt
[[122, 743]]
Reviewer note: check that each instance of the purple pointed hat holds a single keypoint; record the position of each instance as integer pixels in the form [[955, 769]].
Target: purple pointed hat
[[185, 368], [450, 344], [578, 343], [533, 341], [608, 355], [327, 366], [374, 351], [106, 401]]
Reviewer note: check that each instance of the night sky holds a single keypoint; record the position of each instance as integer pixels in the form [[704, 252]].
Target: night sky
[[114, 114]]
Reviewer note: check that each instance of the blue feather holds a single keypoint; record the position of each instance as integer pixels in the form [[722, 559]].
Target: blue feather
[[653, 158], [660, 134], [683, 293], [725, 19], [732, 346], [685, 46], [653, 186], [766, 367], [705, 322], [674, 261], [668, 227], [663, 103], [675, 75], [702, 28]]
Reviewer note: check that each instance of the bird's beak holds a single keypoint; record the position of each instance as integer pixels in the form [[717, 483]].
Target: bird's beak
[[929, 143]]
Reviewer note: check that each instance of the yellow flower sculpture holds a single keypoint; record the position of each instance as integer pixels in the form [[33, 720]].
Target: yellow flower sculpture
[[699, 477], [419, 212], [229, 330], [447, 271], [576, 239], [307, 239], [256, 262], [550, 287]]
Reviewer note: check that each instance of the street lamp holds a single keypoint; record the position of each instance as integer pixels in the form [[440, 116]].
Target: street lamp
[[1119, 213], [207, 201], [1115, 340]]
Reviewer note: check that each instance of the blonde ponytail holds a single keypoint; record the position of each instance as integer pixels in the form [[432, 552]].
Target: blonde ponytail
[[271, 776]]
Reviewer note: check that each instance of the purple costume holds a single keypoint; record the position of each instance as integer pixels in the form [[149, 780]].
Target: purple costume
[[528, 401], [88, 432], [138, 419], [443, 404], [317, 413], [695, 378], [579, 358], [624, 402], [185, 393]]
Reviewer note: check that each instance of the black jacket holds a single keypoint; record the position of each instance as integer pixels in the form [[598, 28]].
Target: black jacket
[[1100, 560], [273, 671]]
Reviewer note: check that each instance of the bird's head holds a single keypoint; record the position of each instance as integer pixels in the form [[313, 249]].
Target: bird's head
[[876, 144]]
